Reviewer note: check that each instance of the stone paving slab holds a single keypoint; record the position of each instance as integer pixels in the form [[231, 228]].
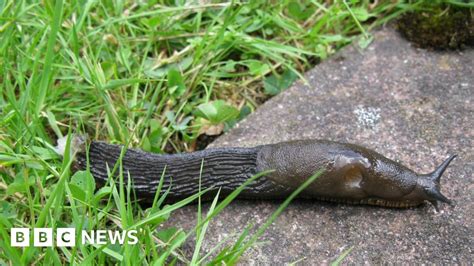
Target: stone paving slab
[[409, 104]]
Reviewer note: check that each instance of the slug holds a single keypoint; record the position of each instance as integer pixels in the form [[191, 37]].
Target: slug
[[352, 174]]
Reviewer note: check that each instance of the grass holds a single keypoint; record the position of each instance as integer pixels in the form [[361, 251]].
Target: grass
[[158, 75]]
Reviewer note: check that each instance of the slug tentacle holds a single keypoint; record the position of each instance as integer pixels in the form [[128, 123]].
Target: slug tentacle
[[432, 187], [436, 174]]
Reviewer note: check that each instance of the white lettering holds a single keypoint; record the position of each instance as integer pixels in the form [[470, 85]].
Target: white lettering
[[43, 237], [101, 237], [87, 238], [66, 237], [117, 235], [132, 235], [20, 237]]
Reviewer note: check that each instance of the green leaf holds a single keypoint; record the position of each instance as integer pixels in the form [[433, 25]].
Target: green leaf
[[257, 68], [7, 210], [183, 125], [170, 116], [153, 140], [365, 42], [217, 112], [153, 21], [44, 153], [82, 181], [361, 14], [146, 144], [244, 112], [20, 184], [295, 10], [256, 25], [229, 66], [275, 84], [300, 11], [166, 235], [176, 85], [102, 192], [77, 192], [157, 220]]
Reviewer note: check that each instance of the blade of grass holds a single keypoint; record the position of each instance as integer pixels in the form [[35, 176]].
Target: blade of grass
[[202, 232], [46, 75], [272, 218], [341, 257]]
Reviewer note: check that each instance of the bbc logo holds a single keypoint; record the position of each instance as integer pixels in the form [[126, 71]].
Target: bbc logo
[[43, 237], [66, 237]]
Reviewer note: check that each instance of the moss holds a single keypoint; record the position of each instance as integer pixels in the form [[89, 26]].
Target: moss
[[440, 27]]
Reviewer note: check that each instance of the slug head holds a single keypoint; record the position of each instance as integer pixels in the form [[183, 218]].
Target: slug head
[[396, 185], [429, 184]]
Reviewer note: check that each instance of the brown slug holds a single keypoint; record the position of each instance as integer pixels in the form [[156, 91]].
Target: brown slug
[[352, 174]]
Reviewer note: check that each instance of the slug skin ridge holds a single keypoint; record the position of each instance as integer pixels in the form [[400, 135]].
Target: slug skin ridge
[[352, 174]]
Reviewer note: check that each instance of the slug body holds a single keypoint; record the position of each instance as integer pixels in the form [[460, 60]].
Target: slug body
[[352, 174]]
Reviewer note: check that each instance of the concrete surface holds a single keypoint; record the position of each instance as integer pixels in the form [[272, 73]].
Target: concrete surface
[[409, 104]]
